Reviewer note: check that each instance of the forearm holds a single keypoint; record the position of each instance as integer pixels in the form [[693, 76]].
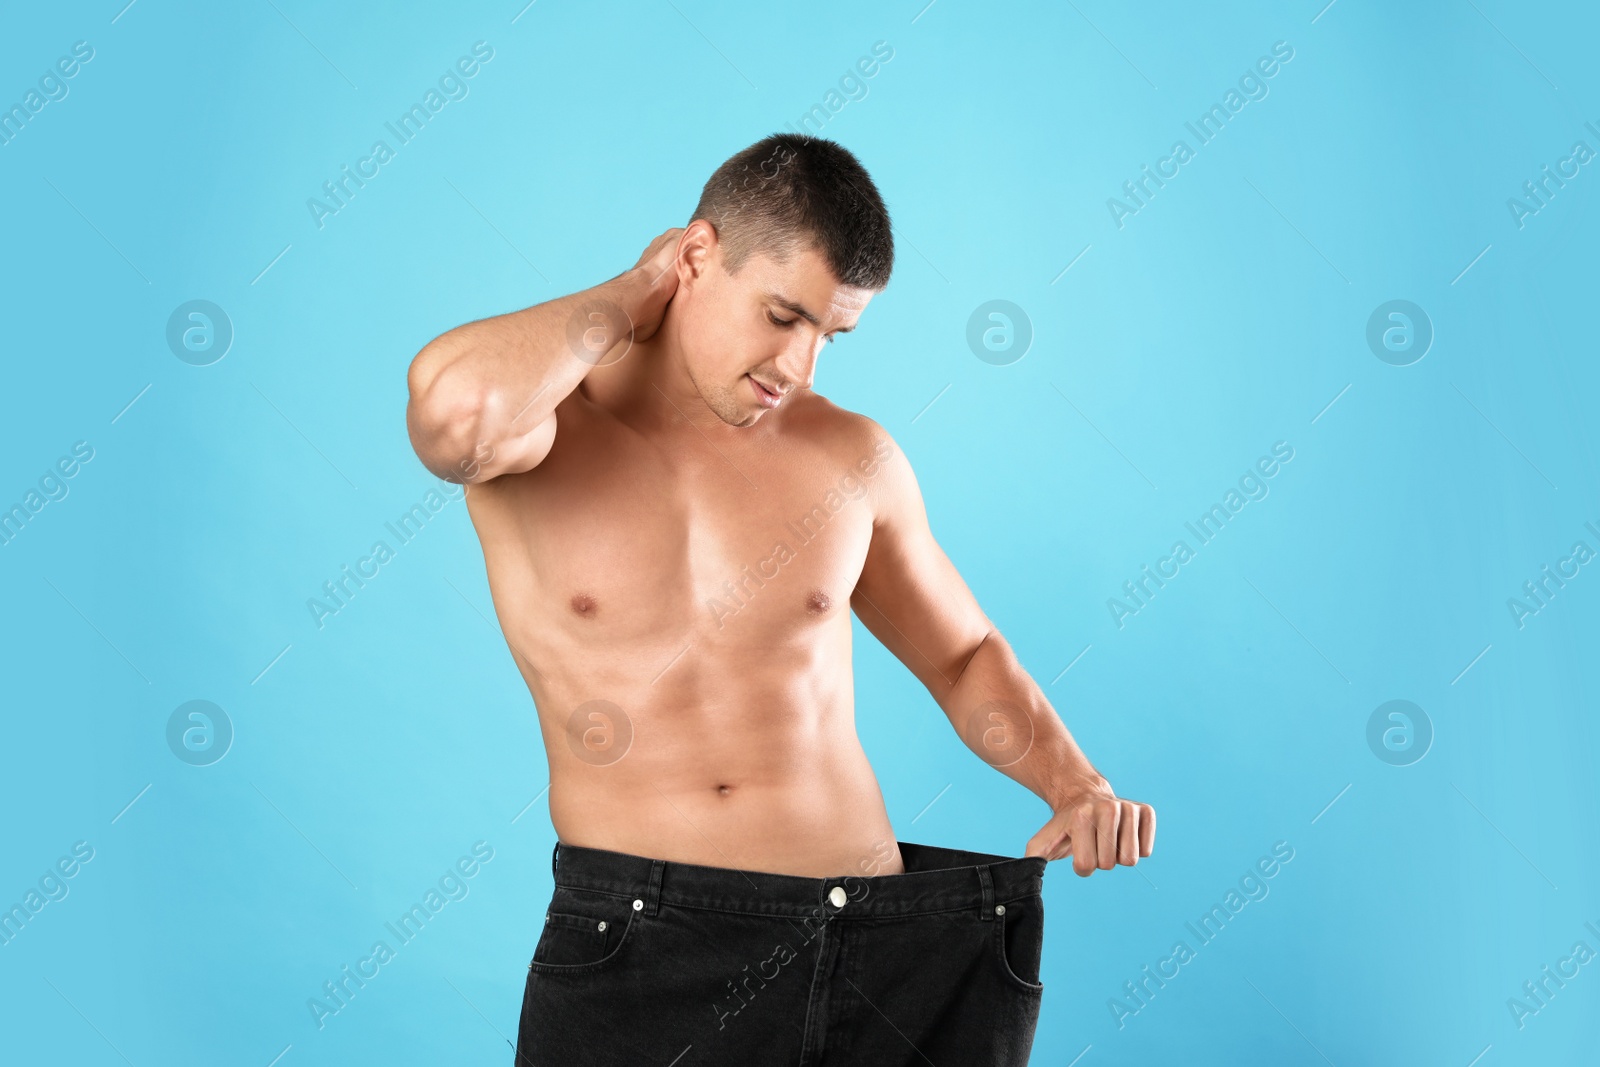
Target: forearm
[[482, 391], [1000, 712]]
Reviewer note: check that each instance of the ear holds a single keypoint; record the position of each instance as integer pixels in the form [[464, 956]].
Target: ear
[[698, 248]]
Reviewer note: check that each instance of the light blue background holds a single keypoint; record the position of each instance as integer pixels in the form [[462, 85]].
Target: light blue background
[[1227, 315]]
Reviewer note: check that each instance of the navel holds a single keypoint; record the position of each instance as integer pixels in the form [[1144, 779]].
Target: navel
[[818, 602], [585, 605], [723, 790]]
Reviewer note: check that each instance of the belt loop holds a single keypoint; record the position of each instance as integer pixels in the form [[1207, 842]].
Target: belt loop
[[652, 894], [987, 912]]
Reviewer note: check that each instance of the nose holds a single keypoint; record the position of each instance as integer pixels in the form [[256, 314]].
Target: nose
[[798, 362]]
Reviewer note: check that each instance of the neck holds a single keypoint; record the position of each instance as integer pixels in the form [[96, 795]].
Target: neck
[[651, 389]]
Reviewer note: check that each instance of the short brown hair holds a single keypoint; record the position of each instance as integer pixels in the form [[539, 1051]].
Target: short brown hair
[[791, 190]]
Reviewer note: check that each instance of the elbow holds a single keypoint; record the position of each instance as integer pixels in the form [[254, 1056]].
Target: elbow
[[989, 639], [984, 634], [444, 420]]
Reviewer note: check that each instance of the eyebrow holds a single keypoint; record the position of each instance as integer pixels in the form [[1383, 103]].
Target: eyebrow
[[790, 305]]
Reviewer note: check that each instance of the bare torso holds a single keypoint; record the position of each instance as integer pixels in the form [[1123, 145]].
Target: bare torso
[[678, 602]]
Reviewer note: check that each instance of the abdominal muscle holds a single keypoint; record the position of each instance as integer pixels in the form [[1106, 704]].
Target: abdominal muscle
[[726, 766]]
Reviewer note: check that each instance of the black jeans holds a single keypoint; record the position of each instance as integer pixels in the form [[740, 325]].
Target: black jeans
[[643, 961]]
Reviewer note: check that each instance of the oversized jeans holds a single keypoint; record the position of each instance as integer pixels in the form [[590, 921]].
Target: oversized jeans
[[645, 961]]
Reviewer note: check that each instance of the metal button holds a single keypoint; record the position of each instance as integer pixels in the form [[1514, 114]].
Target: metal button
[[638, 905], [602, 926], [999, 909], [838, 896]]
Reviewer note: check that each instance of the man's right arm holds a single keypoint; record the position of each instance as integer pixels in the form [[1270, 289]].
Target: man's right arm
[[483, 396]]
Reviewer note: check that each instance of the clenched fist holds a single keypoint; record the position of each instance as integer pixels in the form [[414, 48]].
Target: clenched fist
[[1097, 828]]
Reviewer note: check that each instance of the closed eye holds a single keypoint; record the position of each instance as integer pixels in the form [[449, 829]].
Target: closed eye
[[788, 322]]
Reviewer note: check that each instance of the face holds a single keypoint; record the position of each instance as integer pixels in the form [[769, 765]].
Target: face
[[760, 329]]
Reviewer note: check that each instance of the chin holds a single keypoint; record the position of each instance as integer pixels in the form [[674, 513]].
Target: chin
[[735, 414]]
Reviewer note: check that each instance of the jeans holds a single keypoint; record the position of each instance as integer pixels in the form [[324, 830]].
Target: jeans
[[645, 961]]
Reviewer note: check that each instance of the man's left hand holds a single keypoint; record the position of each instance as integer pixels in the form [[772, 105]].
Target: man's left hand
[[1097, 829]]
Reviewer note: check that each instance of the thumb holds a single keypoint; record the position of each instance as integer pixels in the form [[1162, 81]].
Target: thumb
[[1050, 840]]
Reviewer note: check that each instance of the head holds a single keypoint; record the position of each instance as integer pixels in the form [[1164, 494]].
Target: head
[[789, 241]]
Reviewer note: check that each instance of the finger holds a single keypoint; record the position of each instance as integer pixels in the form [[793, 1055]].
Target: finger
[[1147, 829], [1128, 834], [1063, 847], [1107, 815], [1036, 843], [1083, 849], [1050, 841]]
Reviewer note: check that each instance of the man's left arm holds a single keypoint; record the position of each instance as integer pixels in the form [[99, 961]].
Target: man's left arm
[[912, 599]]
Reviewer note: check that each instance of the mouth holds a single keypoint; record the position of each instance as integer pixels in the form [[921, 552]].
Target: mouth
[[765, 396]]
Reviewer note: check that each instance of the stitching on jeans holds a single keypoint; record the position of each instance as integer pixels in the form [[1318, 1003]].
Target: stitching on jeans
[[843, 914], [998, 936], [586, 968], [811, 990], [603, 892], [652, 895]]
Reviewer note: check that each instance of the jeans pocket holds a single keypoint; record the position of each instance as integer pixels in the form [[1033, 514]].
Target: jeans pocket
[[1019, 942], [584, 931]]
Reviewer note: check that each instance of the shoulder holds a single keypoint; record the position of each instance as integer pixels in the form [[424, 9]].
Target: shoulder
[[859, 447], [846, 436]]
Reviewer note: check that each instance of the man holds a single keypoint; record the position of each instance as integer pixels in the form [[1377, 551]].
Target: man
[[675, 530]]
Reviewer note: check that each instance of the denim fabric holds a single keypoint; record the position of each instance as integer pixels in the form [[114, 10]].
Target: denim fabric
[[644, 961]]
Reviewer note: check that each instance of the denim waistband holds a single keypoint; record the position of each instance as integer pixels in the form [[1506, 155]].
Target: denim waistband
[[935, 880]]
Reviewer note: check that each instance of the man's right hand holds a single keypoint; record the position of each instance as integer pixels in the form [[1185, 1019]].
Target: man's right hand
[[658, 269]]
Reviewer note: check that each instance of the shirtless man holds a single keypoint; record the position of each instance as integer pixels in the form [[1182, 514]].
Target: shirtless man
[[675, 529]]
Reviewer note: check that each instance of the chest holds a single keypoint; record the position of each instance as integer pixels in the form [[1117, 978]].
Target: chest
[[629, 540]]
